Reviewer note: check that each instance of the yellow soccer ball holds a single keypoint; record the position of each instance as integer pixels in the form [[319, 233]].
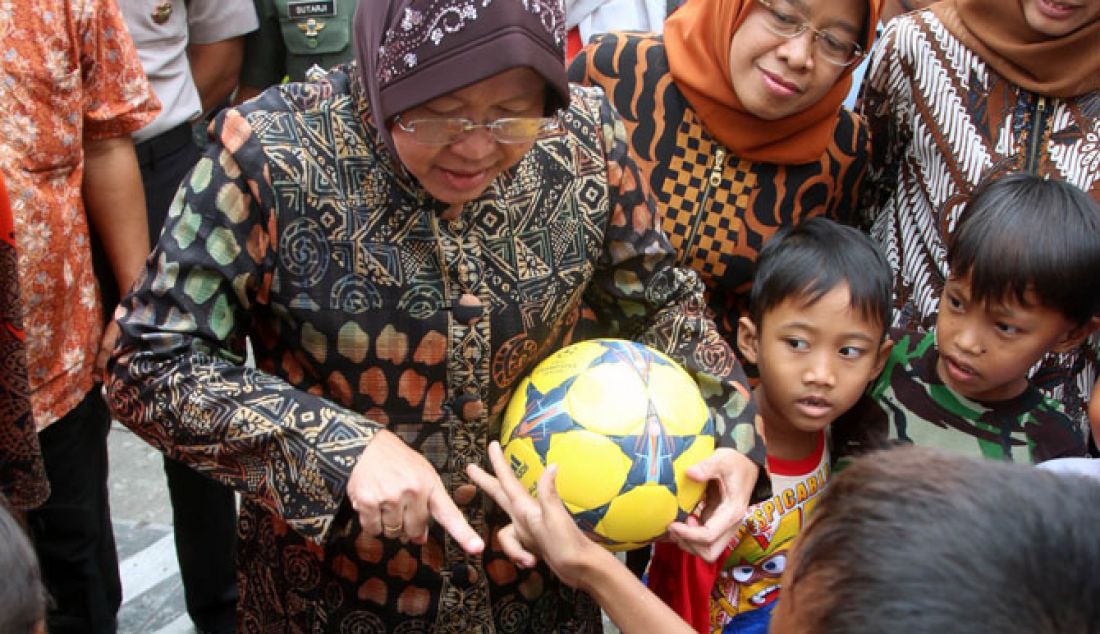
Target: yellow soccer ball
[[622, 422]]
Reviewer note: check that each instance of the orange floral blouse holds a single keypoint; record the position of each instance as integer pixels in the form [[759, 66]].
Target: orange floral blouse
[[68, 72]]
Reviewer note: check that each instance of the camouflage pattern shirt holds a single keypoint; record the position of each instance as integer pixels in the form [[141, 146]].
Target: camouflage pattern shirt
[[910, 404]]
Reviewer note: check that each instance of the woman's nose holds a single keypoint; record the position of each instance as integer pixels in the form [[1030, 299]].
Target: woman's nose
[[798, 51], [476, 144]]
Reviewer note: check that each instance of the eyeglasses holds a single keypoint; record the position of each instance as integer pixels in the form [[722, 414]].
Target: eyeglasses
[[783, 20], [444, 131]]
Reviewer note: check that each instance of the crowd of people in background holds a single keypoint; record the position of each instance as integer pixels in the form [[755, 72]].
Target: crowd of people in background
[[308, 248]]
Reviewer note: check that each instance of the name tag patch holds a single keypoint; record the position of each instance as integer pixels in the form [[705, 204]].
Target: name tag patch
[[312, 9]]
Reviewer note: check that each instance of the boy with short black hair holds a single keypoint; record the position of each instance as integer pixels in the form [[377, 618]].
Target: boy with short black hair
[[1025, 280], [818, 315], [921, 540]]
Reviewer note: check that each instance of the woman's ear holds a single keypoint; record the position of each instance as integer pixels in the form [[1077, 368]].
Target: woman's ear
[[1077, 335], [748, 340]]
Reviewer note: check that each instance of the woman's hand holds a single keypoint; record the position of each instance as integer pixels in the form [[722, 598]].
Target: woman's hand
[[396, 491], [730, 478], [540, 526], [106, 346]]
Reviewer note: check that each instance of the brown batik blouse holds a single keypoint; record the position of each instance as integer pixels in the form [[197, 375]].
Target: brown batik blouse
[[718, 209], [365, 310], [23, 482]]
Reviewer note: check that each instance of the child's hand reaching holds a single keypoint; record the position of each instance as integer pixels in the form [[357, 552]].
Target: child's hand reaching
[[540, 526]]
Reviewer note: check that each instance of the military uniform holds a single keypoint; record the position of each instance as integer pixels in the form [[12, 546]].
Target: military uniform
[[295, 36]]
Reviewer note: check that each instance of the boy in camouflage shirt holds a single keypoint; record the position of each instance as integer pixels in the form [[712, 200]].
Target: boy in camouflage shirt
[[1024, 281]]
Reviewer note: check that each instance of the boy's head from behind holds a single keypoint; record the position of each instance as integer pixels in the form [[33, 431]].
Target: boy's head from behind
[[818, 313], [22, 597], [918, 540], [1025, 280]]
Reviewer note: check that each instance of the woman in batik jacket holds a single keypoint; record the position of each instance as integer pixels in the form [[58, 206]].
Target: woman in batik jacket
[[734, 117], [23, 483], [968, 90], [401, 242]]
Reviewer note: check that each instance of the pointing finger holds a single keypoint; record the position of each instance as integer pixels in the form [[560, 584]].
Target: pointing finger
[[489, 484], [444, 510], [512, 487]]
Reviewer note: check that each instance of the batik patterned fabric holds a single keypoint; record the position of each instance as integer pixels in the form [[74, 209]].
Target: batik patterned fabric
[[365, 309], [69, 72], [910, 404], [22, 474], [941, 121], [717, 209]]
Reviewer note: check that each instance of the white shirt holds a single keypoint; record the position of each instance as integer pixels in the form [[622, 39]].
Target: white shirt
[[162, 49], [592, 17]]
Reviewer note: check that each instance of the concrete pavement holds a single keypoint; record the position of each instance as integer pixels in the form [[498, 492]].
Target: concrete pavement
[[152, 593]]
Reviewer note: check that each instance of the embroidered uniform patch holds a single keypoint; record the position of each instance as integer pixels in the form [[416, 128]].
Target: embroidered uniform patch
[[311, 9]]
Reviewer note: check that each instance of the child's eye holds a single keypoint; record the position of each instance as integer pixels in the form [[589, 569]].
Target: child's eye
[[1006, 329], [954, 303], [797, 344], [851, 352]]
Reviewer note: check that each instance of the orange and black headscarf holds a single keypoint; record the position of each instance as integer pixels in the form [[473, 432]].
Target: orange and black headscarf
[[697, 38]]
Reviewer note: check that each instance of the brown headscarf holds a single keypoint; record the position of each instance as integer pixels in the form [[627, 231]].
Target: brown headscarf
[[413, 51], [697, 38], [996, 30]]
